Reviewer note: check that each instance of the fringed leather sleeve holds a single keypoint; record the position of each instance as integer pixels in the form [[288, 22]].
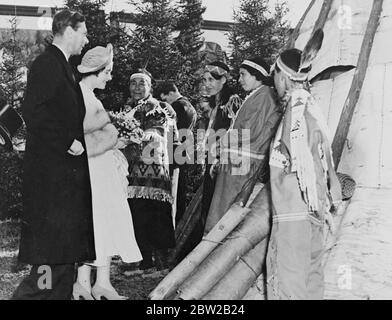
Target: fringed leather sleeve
[[232, 106]]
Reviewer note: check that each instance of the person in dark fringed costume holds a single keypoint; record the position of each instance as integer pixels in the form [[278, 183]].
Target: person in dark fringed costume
[[245, 147], [150, 187], [224, 105]]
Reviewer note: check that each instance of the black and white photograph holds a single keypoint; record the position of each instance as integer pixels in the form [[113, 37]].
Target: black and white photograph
[[218, 152]]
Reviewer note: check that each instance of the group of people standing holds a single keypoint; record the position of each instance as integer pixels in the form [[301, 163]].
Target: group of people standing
[[288, 147], [89, 195], [75, 206]]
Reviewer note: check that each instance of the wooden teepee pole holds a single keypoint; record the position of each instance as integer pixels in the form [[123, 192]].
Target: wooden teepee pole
[[295, 34], [168, 286], [357, 83], [237, 282], [254, 227], [187, 223], [323, 16], [320, 22]]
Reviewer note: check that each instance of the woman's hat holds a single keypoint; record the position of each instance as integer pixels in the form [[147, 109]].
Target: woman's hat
[[96, 59], [10, 122]]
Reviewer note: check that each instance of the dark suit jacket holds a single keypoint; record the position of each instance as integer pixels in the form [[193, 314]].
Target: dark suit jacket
[[186, 113], [57, 223], [186, 117]]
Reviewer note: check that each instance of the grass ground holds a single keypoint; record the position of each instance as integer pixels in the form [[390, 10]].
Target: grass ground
[[135, 287]]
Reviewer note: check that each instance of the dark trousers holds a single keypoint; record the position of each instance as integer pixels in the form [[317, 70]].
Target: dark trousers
[[47, 282], [153, 226]]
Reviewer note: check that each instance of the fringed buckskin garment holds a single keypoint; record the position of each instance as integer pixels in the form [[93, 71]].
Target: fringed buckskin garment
[[222, 117], [244, 152], [304, 186], [149, 189]]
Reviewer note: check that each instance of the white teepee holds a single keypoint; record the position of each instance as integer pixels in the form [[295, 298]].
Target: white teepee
[[359, 262]]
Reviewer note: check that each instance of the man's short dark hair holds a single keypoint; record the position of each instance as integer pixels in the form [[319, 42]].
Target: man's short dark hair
[[65, 18], [167, 87]]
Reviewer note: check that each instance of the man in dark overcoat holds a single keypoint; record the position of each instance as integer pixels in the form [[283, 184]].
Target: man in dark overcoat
[[186, 120], [57, 227]]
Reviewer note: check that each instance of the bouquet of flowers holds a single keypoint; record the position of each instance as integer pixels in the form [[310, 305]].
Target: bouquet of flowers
[[127, 126]]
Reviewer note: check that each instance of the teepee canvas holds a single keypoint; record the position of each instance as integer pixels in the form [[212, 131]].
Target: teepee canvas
[[359, 257]]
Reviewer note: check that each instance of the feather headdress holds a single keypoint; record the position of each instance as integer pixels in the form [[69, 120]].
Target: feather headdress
[[311, 49], [307, 56]]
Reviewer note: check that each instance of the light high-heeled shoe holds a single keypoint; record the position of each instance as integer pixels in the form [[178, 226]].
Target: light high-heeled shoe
[[80, 293], [100, 293]]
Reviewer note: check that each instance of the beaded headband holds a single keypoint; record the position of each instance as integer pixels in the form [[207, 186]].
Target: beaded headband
[[256, 67]]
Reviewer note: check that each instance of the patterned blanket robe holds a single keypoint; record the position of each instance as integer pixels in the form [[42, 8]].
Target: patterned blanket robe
[[149, 176]]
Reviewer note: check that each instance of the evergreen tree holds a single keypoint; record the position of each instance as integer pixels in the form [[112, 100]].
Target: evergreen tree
[[152, 39], [103, 29], [189, 42], [12, 83], [12, 66], [189, 24], [258, 31], [96, 20]]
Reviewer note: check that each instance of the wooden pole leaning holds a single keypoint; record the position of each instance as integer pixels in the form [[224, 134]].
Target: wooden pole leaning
[[176, 173], [237, 282], [187, 223], [254, 228], [239, 279], [359, 77], [295, 34], [169, 285]]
